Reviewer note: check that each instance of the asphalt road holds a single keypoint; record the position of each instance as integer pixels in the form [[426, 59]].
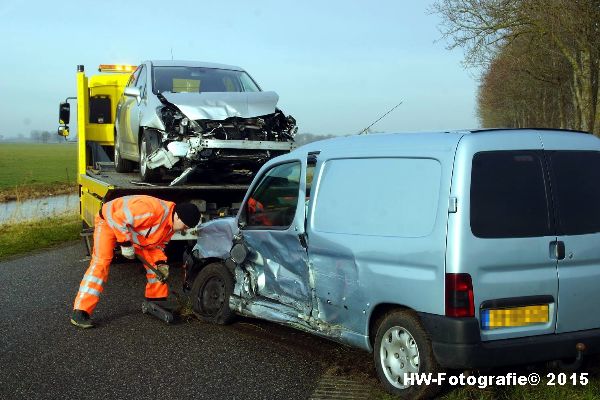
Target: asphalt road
[[132, 355]]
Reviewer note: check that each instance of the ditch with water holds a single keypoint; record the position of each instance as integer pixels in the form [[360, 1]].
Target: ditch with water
[[32, 209]]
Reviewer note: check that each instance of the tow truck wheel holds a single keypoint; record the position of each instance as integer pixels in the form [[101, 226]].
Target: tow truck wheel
[[210, 294], [402, 347], [121, 165], [147, 146]]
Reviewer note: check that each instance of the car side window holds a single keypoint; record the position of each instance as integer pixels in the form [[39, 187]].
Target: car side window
[[272, 204], [141, 82]]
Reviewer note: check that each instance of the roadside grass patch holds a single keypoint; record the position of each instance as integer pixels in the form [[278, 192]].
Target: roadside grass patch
[[27, 236], [29, 170]]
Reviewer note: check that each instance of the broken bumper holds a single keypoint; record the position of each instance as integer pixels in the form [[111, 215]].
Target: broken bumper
[[193, 150], [201, 144]]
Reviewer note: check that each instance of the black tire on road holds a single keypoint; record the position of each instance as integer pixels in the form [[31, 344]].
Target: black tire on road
[[121, 165], [210, 294], [403, 346], [148, 144]]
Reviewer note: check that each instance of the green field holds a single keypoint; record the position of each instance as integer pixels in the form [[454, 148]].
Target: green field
[[33, 170]]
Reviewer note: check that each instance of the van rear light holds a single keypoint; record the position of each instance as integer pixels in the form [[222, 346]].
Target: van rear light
[[459, 296]]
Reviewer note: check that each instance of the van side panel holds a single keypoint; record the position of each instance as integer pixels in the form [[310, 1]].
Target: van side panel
[[506, 271], [377, 232]]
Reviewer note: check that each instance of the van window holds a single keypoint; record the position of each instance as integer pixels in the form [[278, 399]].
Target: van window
[[508, 195], [576, 189], [378, 196], [273, 202]]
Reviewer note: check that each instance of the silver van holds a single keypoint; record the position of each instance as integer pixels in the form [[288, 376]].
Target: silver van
[[434, 251]]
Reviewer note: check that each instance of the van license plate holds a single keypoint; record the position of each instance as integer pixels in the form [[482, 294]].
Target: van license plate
[[517, 316]]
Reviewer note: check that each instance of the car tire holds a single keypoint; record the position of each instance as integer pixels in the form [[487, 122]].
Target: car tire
[[121, 165], [210, 294], [403, 346], [147, 145]]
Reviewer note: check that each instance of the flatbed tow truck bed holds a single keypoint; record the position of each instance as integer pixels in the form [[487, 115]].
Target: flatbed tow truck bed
[[131, 181], [98, 186]]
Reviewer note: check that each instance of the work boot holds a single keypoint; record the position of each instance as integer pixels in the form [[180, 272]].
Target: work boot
[[81, 319]]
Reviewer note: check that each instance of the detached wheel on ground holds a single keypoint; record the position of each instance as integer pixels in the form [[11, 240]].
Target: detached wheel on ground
[[210, 294], [148, 144], [403, 346], [121, 165]]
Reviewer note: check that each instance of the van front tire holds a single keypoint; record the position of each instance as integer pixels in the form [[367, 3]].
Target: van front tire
[[210, 294], [403, 346]]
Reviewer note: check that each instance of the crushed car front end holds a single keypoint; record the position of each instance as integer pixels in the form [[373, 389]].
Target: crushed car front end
[[237, 126]]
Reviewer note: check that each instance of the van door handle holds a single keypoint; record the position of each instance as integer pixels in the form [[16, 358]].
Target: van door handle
[[557, 249]]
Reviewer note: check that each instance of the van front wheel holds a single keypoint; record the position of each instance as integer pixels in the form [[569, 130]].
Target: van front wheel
[[402, 347], [210, 294]]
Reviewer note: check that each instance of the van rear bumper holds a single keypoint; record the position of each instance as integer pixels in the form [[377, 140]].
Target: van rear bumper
[[457, 344]]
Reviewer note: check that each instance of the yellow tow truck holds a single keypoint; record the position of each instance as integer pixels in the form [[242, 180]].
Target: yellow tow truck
[[97, 98]]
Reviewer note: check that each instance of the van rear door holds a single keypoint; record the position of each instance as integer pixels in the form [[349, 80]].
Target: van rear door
[[574, 161], [501, 233]]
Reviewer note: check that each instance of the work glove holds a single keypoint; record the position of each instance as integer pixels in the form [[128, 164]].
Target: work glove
[[128, 252], [164, 270]]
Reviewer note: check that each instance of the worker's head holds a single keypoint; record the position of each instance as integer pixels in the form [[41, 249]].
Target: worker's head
[[186, 216]]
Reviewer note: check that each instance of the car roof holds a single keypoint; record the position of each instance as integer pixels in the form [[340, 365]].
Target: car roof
[[187, 63]]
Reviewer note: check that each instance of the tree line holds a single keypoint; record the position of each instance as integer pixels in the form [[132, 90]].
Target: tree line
[[540, 59], [36, 136]]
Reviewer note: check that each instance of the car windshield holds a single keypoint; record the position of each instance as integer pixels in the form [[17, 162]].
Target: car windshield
[[199, 79]]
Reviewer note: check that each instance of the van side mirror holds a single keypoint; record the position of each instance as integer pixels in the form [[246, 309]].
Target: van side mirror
[[64, 113], [132, 91], [238, 253]]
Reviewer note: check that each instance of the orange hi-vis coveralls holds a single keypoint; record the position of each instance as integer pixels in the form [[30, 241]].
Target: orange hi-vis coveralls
[[144, 221]]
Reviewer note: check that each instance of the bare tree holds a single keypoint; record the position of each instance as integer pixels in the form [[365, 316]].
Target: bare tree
[[35, 135], [569, 29], [44, 136]]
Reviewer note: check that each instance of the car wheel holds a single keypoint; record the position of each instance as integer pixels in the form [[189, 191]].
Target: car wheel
[[121, 165], [210, 294], [147, 146], [402, 346]]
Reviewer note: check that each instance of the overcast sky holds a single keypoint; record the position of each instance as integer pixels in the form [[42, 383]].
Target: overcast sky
[[337, 65]]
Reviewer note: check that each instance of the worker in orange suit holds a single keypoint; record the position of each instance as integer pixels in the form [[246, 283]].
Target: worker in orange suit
[[141, 225]]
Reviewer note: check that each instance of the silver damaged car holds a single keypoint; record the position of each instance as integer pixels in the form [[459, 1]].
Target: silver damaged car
[[176, 118]]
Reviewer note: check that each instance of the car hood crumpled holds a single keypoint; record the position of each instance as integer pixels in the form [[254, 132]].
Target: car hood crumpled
[[222, 105]]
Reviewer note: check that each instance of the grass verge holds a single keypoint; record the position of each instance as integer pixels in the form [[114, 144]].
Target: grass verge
[[29, 170], [32, 235]]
